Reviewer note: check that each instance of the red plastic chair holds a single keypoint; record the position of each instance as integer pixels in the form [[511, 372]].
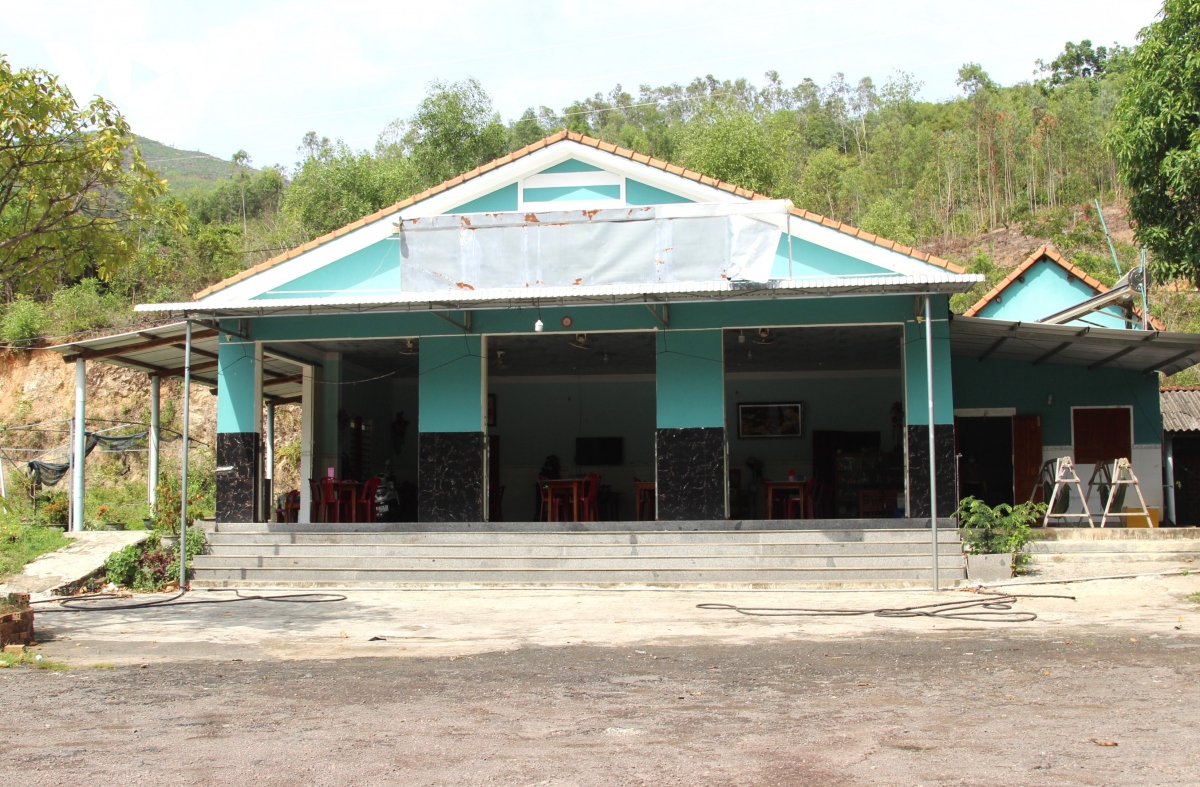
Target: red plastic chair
[[364, 504], [330, 501], [314, 500]]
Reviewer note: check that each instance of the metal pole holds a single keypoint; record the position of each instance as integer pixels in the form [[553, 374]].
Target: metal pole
[[1145, 303], [80, 442], [183, 497], [3, 493], [933, 512], [152, 455], [789, 234], [1169, 500]]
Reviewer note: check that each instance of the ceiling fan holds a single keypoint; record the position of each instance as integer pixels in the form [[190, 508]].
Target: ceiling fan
[[500, 362], [764, 336], [581, 342], [410, 348]]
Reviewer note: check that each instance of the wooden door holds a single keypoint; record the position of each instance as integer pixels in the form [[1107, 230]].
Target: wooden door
[[1027, 456]]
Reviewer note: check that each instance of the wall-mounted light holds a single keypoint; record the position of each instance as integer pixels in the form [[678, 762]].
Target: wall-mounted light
[[538, 326]]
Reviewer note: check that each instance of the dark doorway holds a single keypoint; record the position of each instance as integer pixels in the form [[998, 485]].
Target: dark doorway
[[1186, 449], [985, 469]]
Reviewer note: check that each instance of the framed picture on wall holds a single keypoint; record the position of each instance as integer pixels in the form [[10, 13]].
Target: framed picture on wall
[[771, 420], [491, 409]]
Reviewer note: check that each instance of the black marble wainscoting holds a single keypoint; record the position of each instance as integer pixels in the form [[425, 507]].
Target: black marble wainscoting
[[918, 470], [237, 475], [690, 473], [450, 477]]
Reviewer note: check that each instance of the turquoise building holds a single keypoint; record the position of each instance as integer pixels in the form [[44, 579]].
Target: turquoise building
[[652, 325]]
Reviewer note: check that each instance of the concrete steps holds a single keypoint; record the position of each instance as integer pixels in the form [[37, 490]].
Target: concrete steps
[[1139, 548], [300, 556]]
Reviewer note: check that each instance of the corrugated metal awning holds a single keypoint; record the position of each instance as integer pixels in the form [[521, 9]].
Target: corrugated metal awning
[[160, 350], [583, 295], [1180, 409], [1144, 351]]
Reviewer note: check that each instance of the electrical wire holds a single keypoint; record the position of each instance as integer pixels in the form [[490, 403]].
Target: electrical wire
[[86, 603], [991, 608]]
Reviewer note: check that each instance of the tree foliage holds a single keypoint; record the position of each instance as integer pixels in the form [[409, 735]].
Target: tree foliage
[[74, 190], [1156, 138]]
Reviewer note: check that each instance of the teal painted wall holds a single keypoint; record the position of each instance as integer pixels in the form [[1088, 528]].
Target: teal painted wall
[[851, 403], [568, 193], [451, 385], [914, 367], [811, 261], [537, 419], [498, 201], [375, 269], [1047, 290], [1050, 390], [638, 193], [690, 369], [570, 165], [238, 373]]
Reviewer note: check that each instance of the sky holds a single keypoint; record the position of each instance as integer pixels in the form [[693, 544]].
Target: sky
[[221, 76]]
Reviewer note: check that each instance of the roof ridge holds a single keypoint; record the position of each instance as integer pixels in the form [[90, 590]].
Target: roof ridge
[[583, 139]]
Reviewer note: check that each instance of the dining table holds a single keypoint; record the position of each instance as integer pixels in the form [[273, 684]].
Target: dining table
[[786, 490], [572, 485]]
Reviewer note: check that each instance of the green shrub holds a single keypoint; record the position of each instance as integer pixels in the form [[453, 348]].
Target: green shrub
[[121, 567], [24, 320], [54, 507], [148, 567], [84, 307], [1001, 530]]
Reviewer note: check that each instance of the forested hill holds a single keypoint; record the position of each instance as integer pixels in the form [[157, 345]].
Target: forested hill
[[1018, 164], [185, 170]]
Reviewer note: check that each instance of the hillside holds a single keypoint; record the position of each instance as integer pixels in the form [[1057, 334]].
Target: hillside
[[184, 170]]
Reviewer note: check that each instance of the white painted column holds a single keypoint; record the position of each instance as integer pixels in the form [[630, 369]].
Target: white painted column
[[269, 460], [1169, 497], [153, 441], [80, 442], [308, 407]]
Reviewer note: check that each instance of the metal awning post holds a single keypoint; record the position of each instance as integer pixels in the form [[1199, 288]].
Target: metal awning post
[[79, 442], [933, 512], [183, 495], [152, 454], [1169, 466]]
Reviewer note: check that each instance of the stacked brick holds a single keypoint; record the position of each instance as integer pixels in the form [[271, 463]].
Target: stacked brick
[[16, 628]]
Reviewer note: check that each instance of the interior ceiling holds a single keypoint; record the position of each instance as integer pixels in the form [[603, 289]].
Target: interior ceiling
[[833, 348], [564, 354]]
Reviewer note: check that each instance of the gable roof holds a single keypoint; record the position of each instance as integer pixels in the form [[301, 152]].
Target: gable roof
[[1046, 252], [606, 147]]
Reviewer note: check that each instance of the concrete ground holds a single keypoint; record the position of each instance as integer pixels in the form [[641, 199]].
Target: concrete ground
[[83, 556], [578, 687]]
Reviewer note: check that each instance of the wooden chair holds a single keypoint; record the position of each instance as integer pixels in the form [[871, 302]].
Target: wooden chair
[[314, 500], [496, 504], [801, 506], [590, 503], [644, 492], [364, 504]]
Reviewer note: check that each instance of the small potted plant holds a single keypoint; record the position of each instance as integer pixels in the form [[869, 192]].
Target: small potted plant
[[166, 513], [996, 538]]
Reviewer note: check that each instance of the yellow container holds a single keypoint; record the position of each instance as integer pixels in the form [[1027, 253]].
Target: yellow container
[[1139, 520]]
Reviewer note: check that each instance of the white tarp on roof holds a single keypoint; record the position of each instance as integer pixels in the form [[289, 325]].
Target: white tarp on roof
[[645, 245]]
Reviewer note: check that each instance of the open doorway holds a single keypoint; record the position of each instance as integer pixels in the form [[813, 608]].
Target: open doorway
[[815, 419], [570, 405], [985, 448]]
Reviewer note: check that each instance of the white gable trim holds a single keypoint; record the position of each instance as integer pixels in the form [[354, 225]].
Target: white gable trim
[[614, 166]]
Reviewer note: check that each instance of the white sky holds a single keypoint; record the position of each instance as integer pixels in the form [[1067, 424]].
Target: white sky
[[222, 75]]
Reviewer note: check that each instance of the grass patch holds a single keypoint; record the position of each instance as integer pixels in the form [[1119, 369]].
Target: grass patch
[[21, 542], [1195, 597], [27, 660], [104, 665]]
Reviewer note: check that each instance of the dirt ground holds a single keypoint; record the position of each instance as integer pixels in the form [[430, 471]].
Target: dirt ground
[[576, 688]]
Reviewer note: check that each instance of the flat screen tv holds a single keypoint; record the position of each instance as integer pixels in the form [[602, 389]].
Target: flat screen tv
[[592, 451]]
